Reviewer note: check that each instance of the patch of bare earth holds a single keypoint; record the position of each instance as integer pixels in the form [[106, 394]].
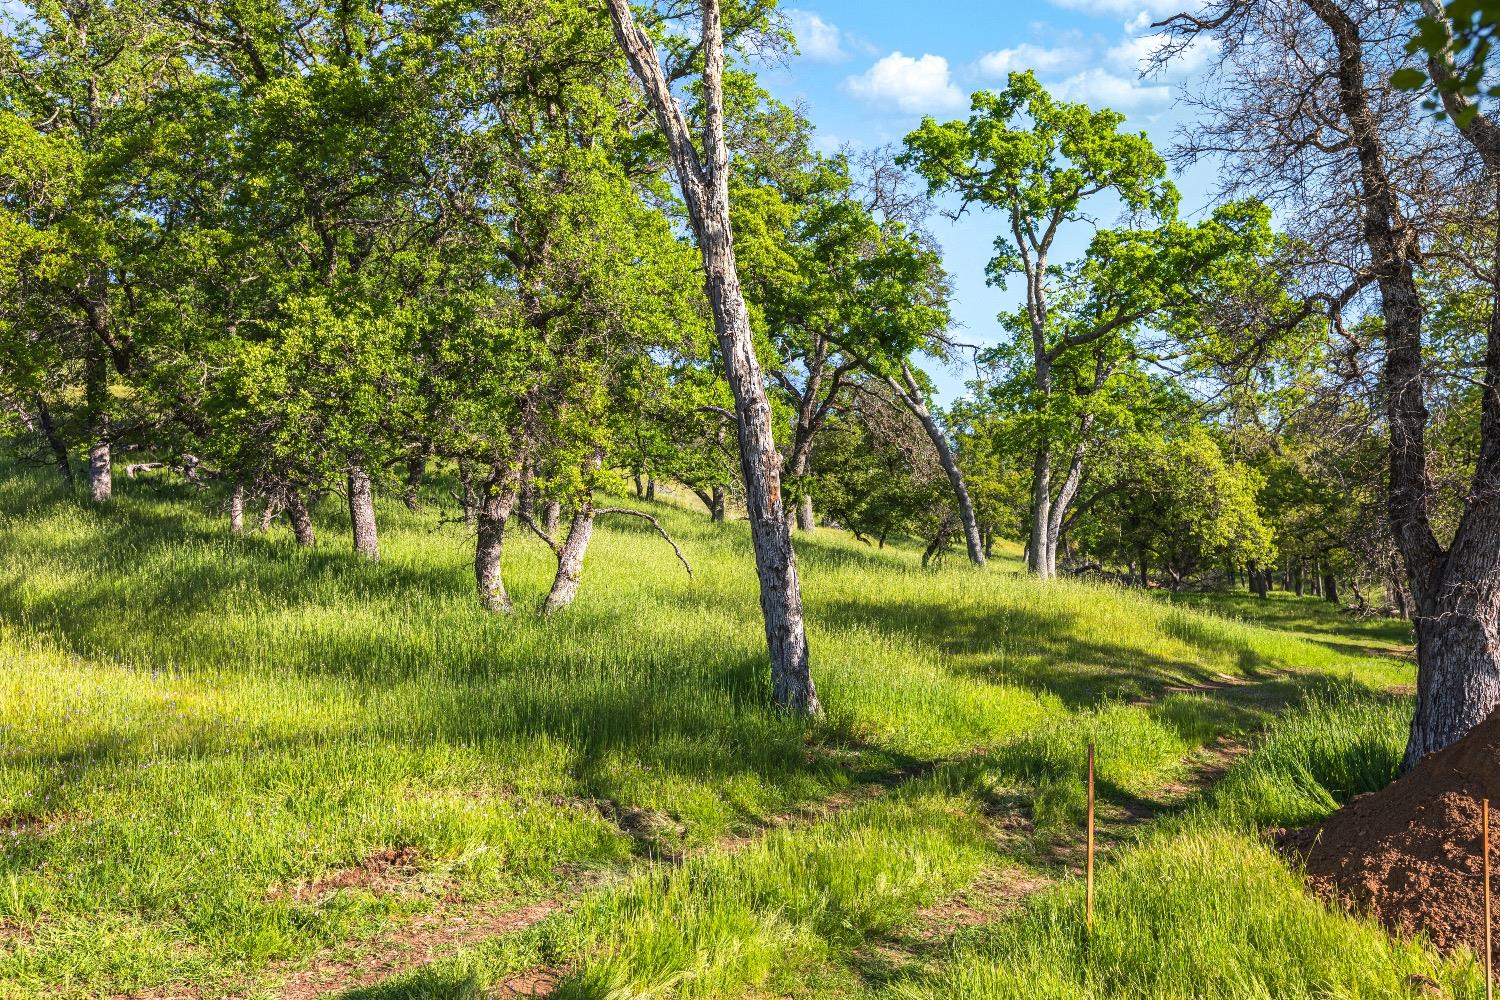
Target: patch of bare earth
[[388, 870], [410, 946]]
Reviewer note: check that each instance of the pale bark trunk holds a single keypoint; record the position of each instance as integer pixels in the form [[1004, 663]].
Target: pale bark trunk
[[570, 559], [1041, 513], [806, 519], [269, 512], [705, 188], [101, 478], [96, 393], [301, 518], [362, 514], [237, 509], [911, 397], [552, 516]]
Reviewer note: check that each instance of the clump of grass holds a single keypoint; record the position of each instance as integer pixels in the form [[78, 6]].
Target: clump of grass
[[1345, 740], [1134, 751], [1197, 913]]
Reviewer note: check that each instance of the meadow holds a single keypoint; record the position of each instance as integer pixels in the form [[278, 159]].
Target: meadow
[[223, 760]]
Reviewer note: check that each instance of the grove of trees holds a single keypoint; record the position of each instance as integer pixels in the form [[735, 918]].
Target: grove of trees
[[507, 257]]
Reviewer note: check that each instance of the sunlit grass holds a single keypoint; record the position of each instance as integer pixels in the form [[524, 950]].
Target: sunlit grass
[[193, 725]]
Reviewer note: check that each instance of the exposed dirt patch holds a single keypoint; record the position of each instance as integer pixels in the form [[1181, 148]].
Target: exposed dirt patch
[[16, 825], [535, 983], [411, 946], [1410, 854], [386, 870]]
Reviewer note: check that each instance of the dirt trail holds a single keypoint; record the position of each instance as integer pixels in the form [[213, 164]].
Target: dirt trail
[[452, 926]]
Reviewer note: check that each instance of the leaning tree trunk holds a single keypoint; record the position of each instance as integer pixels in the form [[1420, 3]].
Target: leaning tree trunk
[[1454, 591], [55, 442], [705, 187], [301, 518], [910, 395], [570, 558], [551, 517], [362, 514], [237, 509]]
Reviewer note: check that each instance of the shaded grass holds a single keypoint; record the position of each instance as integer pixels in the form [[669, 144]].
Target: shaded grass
[[198, 722], [1204, 908]]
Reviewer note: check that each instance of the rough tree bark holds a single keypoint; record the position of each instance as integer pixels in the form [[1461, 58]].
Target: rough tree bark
[[705, 188], [362, 514], [910, 395], [268, 513], [237, 509], [494, 503], [301, 518], [1456, 592]]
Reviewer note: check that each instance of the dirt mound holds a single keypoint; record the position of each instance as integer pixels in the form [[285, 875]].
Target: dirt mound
[[1410, 854]]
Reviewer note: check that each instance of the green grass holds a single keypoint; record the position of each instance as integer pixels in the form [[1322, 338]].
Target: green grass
[[193, 726]]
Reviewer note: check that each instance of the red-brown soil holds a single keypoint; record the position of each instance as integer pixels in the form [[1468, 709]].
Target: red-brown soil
[[1410, 854]]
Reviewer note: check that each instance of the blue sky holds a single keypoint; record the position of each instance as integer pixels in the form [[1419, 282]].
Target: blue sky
[[871, 69]]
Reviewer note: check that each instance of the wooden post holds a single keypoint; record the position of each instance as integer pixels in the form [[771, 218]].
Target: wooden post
[[1489, 952], [1088, 912]]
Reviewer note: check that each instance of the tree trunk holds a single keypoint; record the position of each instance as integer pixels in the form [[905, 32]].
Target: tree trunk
[[96, 392], [362, 514], [301, 518], [1454, 592], [1041, 511], [496, 502], [910, 395], [237, 509], [805, 519], [551, 516], [705, 188], [269, 512], [55, 442], [416, 471], [1330, 589], [650, 487], [716, 509], [1297, 577], [570, 559]]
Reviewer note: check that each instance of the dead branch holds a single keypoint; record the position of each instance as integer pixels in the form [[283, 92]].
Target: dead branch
[[659, 530]]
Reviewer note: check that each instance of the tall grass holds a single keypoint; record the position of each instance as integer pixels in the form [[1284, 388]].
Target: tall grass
[[192, 726]]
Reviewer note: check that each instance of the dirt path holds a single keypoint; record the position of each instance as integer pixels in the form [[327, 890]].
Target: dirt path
[[452, 926]]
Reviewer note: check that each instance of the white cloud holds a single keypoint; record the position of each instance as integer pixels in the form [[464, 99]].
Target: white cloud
[[907, 84], [1134, 54], [818, 39], [1100, 88], [1124, 8], [1027, 56]]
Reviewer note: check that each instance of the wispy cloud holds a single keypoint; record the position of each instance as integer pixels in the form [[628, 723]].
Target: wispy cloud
[[819, 40], [1027, 56]]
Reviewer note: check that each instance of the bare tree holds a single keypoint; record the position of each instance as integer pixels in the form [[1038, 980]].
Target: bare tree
[[704, 181], [1368, 181]]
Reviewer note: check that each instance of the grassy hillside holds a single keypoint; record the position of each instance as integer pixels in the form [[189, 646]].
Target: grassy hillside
[[220, 758]]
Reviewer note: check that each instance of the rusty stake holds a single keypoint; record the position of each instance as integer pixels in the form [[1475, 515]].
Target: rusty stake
[[1088, 906], [1489, 953]]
